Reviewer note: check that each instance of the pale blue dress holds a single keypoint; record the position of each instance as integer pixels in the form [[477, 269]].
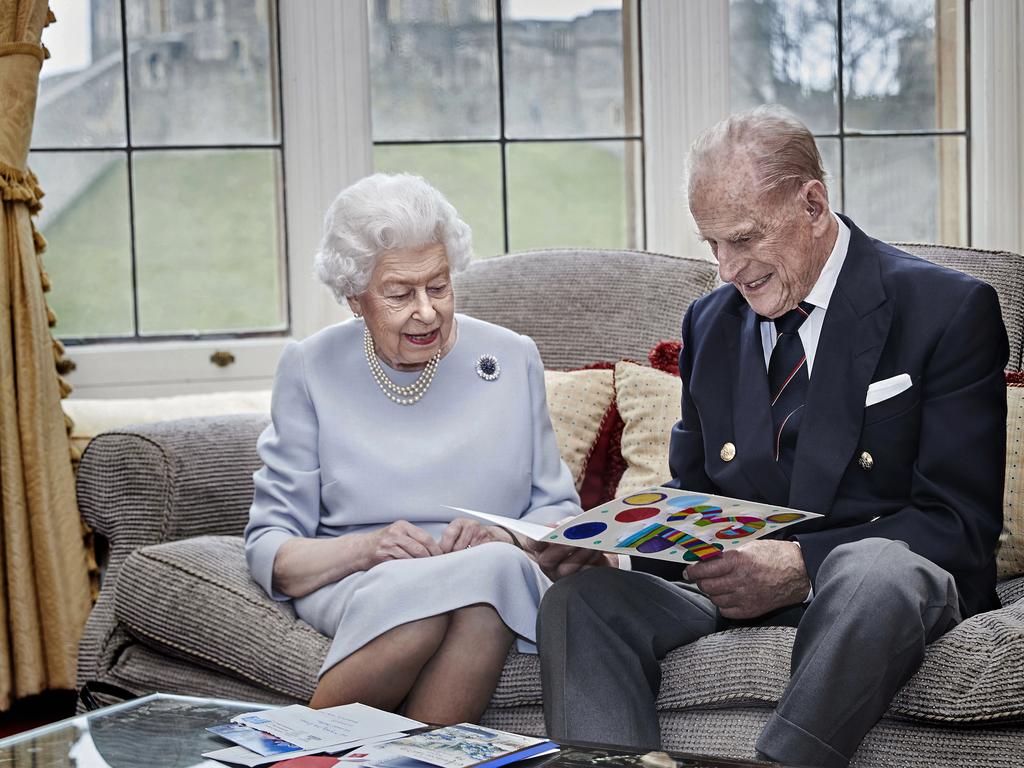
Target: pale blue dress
[[340, 457]]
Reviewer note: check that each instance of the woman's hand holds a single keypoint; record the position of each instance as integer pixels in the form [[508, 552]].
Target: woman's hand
[[463, 532], [400, 541]]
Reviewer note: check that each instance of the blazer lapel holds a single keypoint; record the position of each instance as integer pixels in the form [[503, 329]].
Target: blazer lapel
[[852, 338], [752, 415]]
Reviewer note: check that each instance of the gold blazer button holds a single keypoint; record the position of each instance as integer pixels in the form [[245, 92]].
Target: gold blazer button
[[866, 461], [728, 452]]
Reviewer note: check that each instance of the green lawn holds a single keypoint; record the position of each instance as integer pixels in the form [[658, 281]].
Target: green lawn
[[207, 228]]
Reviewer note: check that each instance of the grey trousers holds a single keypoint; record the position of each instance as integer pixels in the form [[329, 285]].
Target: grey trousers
[[603, 632]]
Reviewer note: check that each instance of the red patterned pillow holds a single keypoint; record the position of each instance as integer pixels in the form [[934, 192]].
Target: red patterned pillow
[[605, 464]]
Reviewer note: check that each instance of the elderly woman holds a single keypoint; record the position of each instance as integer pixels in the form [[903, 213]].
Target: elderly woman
[[379, 424]]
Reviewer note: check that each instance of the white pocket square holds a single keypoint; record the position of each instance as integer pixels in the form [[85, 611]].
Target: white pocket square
[[886, 388]]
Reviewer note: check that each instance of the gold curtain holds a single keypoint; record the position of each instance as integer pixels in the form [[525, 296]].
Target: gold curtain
[[44, 593]]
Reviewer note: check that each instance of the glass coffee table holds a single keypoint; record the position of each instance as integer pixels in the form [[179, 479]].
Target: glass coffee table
[[159, 730], [166, 731]]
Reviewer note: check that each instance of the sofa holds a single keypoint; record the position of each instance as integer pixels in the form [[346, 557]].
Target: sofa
[[178, 612]]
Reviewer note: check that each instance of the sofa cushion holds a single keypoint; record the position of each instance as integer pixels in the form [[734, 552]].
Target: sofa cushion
[[194, 599], [974, 674], [578, 402], [580, 305], [648, 401]]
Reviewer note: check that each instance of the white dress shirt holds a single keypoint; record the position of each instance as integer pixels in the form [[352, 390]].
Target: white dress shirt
[[820, 295]]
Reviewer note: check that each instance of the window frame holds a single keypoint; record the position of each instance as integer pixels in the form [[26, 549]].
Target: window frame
[[631, 140], [690, 41], [314, 37]]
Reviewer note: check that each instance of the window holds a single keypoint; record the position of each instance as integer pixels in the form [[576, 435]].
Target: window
[[526, 114], [163, 170], [882, 83]]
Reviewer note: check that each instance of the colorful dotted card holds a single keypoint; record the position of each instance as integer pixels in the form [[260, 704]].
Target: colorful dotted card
[[667, 524]]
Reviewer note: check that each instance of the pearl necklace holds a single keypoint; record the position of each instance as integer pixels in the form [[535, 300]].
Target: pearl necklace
[[409, 394]]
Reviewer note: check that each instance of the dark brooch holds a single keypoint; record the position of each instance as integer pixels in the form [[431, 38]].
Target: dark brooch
[[487, 367]]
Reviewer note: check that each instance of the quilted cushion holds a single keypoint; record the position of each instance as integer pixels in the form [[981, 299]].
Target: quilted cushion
[[648, 401], [578, 402]]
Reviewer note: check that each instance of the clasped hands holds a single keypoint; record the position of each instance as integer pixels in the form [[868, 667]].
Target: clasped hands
[[403, 540]]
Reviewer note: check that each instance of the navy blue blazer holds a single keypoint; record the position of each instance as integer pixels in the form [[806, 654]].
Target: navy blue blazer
[[938, 447]]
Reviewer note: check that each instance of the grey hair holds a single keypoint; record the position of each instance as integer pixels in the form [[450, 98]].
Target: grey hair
[[380, 213], [782, 148]]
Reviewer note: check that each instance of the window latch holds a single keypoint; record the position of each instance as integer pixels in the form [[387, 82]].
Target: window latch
[[222, 358]]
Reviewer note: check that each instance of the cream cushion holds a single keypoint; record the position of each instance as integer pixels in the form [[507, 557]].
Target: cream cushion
[[578, 402], [1010, 557], [94, 416], [648, 401]]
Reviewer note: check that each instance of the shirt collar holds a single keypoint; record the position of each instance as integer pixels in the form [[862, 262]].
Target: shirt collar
[[821, 293]]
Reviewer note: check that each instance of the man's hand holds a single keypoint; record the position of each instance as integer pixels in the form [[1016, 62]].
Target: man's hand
[[400, 541], [463, 532], [753, 580], [560, 560]]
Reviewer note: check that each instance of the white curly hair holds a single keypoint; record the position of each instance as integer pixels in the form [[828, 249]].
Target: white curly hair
[[381, 213]]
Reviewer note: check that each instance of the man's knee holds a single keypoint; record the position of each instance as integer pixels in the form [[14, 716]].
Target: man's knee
[[887, 567], [569, 592]]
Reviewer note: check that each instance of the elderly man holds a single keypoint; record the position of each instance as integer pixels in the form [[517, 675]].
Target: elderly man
[[832, 373]]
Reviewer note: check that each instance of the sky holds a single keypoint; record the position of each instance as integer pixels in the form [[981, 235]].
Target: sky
[[554, 9], [67, 39]]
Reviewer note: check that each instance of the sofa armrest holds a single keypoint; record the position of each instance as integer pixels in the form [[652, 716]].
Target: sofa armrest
[[151, 483]]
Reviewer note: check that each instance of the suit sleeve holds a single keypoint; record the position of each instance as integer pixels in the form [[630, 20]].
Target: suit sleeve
[[286, 498], [553, 493], [955, 513], [686, 444]]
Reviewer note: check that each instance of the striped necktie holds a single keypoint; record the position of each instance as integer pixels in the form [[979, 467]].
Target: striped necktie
[[787, 383]]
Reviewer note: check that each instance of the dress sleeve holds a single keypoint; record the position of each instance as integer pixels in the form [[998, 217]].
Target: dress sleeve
[[286, 499], [553, 494]]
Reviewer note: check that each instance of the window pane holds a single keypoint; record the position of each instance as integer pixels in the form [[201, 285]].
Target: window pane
[[829, 150], [433, 70], [908, 189], [469, 175], [785, 53], [903, 64], [208, 241], [574, 194], [81, 85], [568, 72], [202, 72], [88, 252]]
